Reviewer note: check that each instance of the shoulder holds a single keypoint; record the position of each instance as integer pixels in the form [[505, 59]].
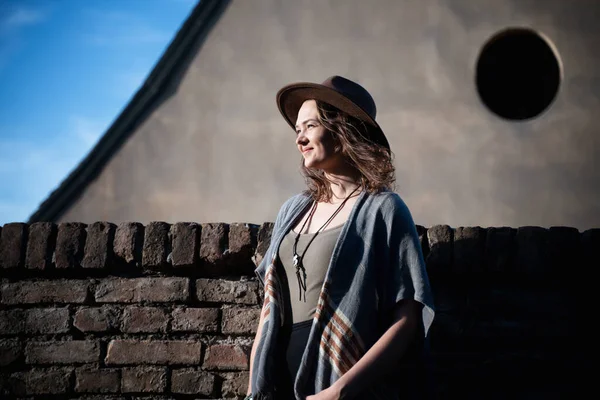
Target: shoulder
[[289, 206], [391, 213], [296, 199], [292, 202], [388, 203]]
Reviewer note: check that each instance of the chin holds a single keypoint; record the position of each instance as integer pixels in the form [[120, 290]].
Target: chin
[[311, 165]]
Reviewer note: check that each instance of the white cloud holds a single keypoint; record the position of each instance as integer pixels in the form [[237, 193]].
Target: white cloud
[[22, 17], [11, 24]]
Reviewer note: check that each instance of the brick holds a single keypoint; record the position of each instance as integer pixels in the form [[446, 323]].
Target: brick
[[40, 381], [532, 250], [224, 291], [12, 322], [70, 245], [200, 320], [144, 319], [213, 243], [440, 238], [226, 356], [128, 243], [118, 290], [590, 243], [48, 291], [242, 243], [242, 239], [98, 245], [235, 384], [40, 245], [144, 380], [421, 230], [96, 380], [12, 384], [97, 319], [154, 352], [263, 241], [261, 292], [469, 247], [186, 244], [156, 245], [527, 303], [67, 352], [46, 320], [192, 381], [240, 320], [13, 242], [422, 233], [500, 249], [564, 248], [10, 351], [451, 299], [445, 327]]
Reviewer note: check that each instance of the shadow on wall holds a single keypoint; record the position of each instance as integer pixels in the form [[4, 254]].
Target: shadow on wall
[[126, 309]]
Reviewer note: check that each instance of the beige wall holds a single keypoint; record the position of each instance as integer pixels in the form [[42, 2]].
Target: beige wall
[[218, 149]]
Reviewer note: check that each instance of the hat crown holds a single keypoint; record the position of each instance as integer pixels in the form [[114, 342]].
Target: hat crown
[[353, 91], [339, 92]]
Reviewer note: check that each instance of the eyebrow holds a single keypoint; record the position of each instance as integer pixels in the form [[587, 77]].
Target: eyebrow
[[308, 120]]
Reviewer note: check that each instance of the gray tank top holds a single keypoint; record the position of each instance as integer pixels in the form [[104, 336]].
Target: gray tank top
[[315, 261]]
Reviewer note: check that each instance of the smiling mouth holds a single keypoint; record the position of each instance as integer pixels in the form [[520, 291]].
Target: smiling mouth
[[306, 150]]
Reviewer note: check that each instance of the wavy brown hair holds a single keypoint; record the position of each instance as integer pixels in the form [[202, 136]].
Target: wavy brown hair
[[371, 160]]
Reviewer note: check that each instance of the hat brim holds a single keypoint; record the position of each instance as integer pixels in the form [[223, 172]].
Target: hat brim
[[291, 97]]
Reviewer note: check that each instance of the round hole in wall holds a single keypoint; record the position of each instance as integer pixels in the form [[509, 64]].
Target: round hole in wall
[[518, 74]]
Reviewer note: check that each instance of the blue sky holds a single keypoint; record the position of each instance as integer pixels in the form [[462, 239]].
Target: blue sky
[[67, 69]]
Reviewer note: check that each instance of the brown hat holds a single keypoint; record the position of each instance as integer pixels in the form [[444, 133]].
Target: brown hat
[[337, 91]]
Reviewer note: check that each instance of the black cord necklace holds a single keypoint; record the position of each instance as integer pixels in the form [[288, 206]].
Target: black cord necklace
[[300, 270]]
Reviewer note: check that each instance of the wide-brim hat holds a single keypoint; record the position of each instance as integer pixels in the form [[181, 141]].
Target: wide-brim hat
[[342, 93]]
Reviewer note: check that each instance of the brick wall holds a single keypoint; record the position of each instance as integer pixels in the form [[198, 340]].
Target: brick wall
[[168, 311]]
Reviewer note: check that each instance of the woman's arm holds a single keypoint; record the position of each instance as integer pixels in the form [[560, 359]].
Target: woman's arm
[[252, 353], [384, 354]]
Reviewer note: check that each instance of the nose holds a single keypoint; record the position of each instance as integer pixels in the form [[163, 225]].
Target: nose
[[301, 137]]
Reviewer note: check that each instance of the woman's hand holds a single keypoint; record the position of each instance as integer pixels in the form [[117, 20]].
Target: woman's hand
[[382, 356], [331, 393]]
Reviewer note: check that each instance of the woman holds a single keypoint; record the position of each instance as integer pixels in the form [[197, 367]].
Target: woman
[[346, 291]]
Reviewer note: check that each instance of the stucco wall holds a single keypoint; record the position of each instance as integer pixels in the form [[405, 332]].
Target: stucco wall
[[218, 150]]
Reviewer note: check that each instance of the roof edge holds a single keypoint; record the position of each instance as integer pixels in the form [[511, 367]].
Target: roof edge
[[199, 22]]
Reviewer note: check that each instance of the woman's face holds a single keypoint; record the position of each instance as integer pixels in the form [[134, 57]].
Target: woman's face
[[315, 143]]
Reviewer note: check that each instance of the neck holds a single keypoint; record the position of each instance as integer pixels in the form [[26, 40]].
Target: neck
[[342, 185]]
